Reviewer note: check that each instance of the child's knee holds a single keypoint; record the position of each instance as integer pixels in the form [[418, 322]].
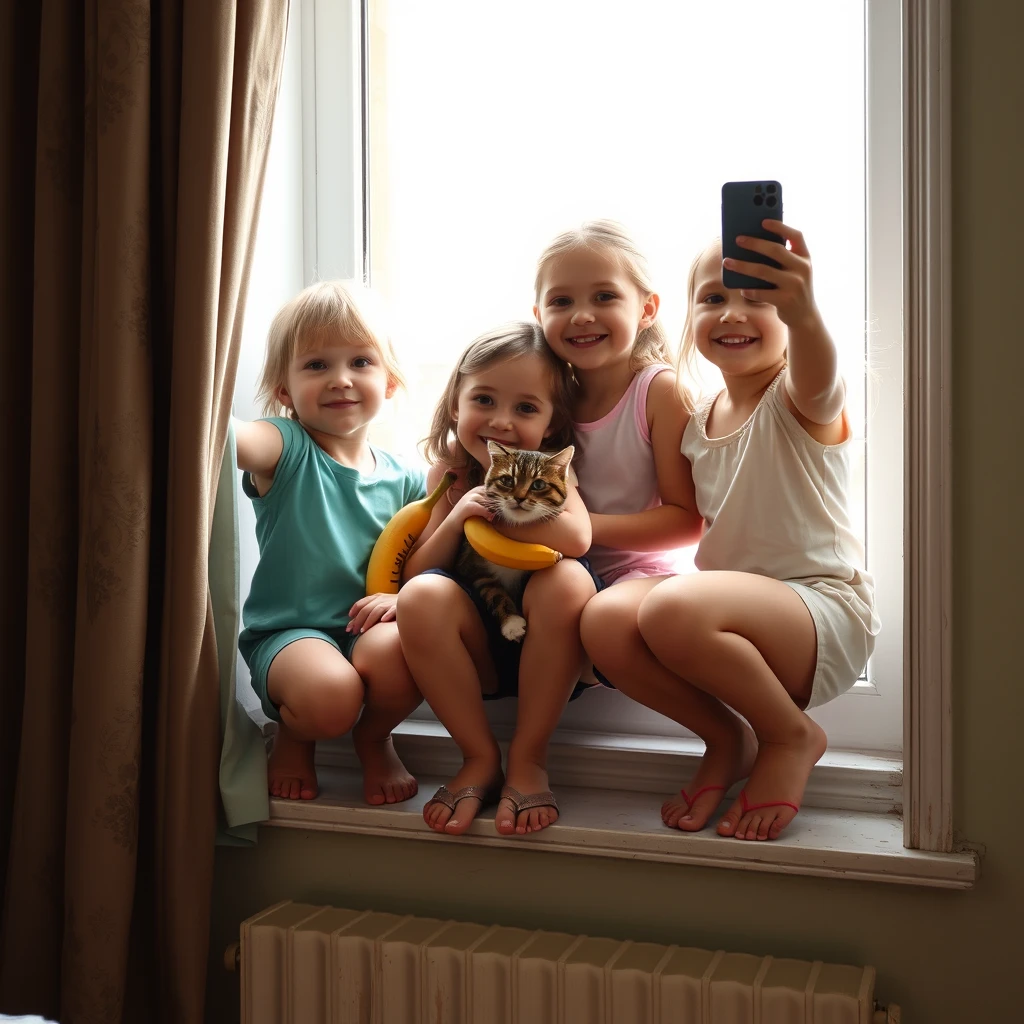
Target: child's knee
[[425, 601], [560, 592], [324, 708], [667, 608]]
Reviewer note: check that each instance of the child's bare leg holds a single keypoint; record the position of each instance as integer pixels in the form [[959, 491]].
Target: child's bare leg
[[391, 696], [319, 695], [750, 642], [445, 646], [612, 638], [550, 666]]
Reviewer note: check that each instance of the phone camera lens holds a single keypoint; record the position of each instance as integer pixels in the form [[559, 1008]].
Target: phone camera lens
[[759, 200], [771, 188], [771, 200]]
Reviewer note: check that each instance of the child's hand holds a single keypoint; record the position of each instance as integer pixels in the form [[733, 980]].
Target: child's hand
[[370, 610], [473, 503], [793, 294]]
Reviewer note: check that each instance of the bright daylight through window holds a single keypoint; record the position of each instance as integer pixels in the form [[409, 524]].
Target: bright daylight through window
[[491, 127]]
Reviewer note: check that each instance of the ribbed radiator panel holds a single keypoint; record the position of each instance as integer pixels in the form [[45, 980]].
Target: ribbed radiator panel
[[304, 964]]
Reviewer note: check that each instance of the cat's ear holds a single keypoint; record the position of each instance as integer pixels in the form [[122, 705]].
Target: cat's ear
[[561, 460], [494, 448]]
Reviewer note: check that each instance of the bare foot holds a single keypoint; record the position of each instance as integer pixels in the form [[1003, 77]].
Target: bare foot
[[385, 779], [724, 762], [482, 772], [528, 778], [778, 778], [290, 771]]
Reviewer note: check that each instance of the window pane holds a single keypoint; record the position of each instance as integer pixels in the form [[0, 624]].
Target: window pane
[[493, 127]]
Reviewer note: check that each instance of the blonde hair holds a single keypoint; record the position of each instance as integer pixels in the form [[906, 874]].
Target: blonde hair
[[651, 344], [510, 341], [345, 307], [688, 375]]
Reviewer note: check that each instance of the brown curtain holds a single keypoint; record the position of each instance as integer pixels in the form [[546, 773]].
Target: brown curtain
[[134, 136]]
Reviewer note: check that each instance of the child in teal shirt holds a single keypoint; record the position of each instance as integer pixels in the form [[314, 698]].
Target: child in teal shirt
[[324, 658]]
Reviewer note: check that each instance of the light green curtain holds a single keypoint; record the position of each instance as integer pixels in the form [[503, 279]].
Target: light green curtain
[[243, 758]]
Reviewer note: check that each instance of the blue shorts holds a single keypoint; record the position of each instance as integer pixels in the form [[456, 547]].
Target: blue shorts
[[260, 649], [506, 653]]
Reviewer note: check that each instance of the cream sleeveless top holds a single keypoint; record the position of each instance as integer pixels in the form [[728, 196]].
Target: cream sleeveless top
[[774, 502]]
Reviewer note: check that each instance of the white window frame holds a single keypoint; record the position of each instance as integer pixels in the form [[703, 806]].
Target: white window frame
[[335, 244], [928, 451]]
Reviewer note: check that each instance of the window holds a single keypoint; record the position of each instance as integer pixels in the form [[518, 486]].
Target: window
[[435, 148], [474, 163]]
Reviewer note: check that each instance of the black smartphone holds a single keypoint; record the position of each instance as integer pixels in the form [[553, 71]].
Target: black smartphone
[[744, 205]]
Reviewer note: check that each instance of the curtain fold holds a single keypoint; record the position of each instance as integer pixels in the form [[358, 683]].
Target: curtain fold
[[243, 755], [151, 131]]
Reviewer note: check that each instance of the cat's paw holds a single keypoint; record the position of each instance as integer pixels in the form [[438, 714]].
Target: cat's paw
[[514, 628]]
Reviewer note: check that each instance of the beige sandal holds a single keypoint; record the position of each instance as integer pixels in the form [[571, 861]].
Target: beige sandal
[[527, 803], [444, 796]]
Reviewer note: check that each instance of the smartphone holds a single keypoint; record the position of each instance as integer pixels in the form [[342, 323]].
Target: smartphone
[[744, 205]]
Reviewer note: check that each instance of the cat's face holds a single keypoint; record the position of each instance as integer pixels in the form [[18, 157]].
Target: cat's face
[[524, 487]]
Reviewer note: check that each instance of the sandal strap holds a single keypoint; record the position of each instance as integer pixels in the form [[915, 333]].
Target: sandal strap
[[691, 800], [748, 807], [528, 803], [449, 799]]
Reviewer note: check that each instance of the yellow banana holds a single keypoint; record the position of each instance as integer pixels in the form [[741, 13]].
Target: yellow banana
[[384, 573], [499, 549]]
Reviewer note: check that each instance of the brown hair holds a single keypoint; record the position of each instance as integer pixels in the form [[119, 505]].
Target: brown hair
[[518, 338], [651, 344], [346, 307]]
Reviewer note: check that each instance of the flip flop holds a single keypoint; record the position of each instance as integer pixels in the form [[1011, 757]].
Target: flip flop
[[747, 808], [691, 800], [444, 796], [527, 803]]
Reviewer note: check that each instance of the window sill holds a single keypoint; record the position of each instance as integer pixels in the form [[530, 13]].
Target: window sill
[[614, 823], [842, 780]]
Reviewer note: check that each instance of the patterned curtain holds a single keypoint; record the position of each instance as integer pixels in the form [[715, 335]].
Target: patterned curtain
[[135, 136]]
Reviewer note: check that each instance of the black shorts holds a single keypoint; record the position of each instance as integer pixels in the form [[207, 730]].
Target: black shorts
[[506, 653]]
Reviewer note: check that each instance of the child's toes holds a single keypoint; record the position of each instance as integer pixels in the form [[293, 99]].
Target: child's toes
[[436, 816], [729, 825], [747, 828], [505, 819]]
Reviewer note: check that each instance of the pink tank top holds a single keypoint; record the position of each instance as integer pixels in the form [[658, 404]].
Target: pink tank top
[[617, 477]]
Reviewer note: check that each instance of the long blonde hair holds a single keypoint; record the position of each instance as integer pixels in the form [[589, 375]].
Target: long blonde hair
[[345, 307], [510, 341], [688, 375], [651, 344]]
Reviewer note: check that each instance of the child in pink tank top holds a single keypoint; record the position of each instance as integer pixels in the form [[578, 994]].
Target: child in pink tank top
[[598, 310]]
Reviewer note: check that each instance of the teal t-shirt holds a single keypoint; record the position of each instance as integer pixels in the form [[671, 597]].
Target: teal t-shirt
[[316, 527]]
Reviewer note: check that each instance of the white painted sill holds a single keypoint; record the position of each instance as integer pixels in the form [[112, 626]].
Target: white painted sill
[[610, 790]]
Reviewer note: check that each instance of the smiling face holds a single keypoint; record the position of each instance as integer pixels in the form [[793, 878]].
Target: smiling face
[[740, 336], [334, 387], [511, 401], [590, 309]]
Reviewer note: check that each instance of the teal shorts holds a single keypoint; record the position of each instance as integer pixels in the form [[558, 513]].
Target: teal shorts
[[260, 649]]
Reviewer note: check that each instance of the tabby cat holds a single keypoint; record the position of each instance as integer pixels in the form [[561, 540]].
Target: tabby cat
[[520, 487]]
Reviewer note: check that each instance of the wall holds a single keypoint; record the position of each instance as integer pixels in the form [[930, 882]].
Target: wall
[[945, 957]]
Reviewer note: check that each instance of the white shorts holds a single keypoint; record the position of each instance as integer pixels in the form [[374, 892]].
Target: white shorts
[[845, 639]]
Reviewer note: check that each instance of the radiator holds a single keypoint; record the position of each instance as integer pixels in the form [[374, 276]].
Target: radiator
[[303, 964]]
